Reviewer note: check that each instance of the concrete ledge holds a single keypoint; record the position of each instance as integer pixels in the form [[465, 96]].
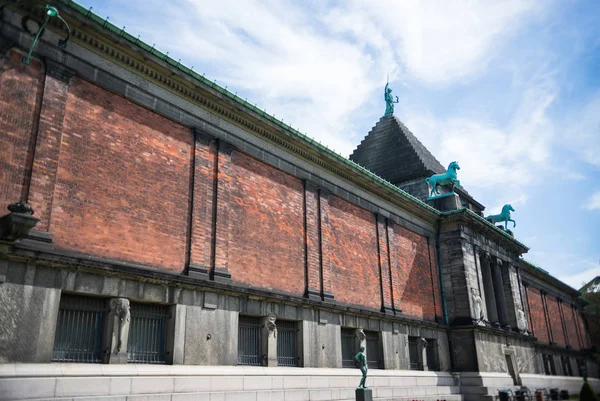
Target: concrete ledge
[[85, 370]]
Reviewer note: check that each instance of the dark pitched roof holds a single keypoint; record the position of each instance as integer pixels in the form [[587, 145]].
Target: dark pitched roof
[[391, 151]]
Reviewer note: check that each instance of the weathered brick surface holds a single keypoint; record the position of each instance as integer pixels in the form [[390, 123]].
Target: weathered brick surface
[[313, 247], [572, 336], [582, 331], [123, 181], [537, 315], [47, 149], [20, 91], [351, 238], [384, 262], [264, 245], [202, 213], [414, 283], [556, 326]]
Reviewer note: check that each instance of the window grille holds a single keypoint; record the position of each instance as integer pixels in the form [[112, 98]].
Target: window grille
[[79, 329], [249, 341], [373, 350], [348, 348], [287, 333], [147, 334], [413, 354]]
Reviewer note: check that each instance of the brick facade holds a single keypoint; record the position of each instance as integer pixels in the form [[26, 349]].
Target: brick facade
[[352, 257], [572, 337], [556, 324], [20, 91], [537, 315], [123, 181], [264, 208], [414, 273]]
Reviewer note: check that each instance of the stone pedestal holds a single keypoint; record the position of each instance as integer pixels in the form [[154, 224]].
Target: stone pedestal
[[364, 394], [445, 202]]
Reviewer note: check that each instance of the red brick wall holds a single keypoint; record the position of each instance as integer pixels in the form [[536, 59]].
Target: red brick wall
[[558, 334], [350, 244], [412, 274], [582, 331], [264, 207], [537, 315], [123, 181], [572, 337], [20, 91]]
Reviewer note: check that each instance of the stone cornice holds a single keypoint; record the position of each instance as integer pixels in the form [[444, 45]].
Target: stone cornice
[[480, 225], [539, 278]]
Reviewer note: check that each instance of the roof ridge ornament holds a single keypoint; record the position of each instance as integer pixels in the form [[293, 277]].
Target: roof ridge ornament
[[449, 177], [389, 100]]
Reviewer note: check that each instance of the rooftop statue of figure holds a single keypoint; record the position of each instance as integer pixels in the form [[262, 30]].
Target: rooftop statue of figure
[[389, 100], [503, 216], [361, 358], [449, 177]]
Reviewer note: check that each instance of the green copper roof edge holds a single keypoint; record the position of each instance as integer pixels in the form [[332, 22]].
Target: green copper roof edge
[[534, 265], [478, 217], [87, 13], [547, 273]]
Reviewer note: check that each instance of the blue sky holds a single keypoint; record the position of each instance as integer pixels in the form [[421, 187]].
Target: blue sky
[[509, 89]]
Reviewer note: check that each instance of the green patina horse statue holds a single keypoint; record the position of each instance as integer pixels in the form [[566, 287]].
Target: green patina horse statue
[[449, 177], [504, 216]]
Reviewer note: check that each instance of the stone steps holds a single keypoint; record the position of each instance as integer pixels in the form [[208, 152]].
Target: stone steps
[[70, 382]]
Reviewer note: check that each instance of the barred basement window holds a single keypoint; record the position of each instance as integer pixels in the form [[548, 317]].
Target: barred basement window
[[374, 359], [348, 348], [79, 329], [249, 341], [413, 354], [287, 333], [147, 333]]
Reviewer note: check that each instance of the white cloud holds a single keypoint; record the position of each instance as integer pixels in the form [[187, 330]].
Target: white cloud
[[583, 131], [490, 156], [439, 42], [578, 280], [593, 202]]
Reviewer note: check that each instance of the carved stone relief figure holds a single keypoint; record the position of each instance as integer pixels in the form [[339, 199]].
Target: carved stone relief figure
[[270, 325], [360, 334], [521, 321], [477, 308], [121, 308]]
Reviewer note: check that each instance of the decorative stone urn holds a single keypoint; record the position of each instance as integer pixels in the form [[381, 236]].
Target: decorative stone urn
[[16, 225]]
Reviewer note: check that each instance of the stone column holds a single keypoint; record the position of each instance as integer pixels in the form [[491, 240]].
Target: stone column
[[119, 319], [269, 345], [488, 286], [500, 296]]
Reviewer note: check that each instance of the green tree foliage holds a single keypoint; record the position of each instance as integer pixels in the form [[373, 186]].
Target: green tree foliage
[[587, 393], [591, 294]]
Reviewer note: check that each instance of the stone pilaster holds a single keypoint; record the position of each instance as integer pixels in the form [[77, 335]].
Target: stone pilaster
[[488, 285], [499, 292]]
